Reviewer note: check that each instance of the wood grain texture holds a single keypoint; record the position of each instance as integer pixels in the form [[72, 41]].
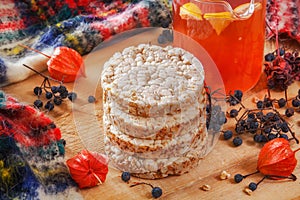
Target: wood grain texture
[[81, 126]]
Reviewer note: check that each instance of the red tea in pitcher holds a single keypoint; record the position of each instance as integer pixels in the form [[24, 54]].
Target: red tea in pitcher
[[233, 37]]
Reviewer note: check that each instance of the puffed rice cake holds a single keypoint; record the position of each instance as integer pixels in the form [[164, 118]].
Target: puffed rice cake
[[150, 81], [154, 105], [154, 168], [146, 148], [155, 128]]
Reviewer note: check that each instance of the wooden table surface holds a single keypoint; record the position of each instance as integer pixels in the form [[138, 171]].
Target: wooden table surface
[[81, 126]]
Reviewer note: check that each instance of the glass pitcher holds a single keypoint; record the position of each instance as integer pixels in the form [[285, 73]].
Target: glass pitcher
[[232, 32]]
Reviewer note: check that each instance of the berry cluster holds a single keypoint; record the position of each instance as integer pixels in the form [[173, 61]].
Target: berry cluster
[[252, 186], [282, 68], [215, 117], [264, 122], [156, 191], [281, 103], [53, 94]]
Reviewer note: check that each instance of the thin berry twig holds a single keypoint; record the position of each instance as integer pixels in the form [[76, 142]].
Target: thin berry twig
[[39, 73]]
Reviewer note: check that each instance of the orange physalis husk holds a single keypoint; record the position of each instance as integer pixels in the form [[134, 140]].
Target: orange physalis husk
[[65, 64], [276, 159], [88, 169]]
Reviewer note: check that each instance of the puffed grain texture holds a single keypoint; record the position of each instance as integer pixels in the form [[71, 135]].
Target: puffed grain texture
[[149, 80]]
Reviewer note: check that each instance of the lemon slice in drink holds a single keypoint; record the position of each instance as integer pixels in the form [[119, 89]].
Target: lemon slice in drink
[[190, 11], [219, 21], [243, 7]]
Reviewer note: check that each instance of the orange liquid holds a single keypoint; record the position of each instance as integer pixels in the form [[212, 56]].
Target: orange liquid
[[237, 50]]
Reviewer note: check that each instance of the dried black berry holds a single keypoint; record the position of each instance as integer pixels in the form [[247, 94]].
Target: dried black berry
[[57, 101], [233, 113], [72, 96], [37, 91], [269, 57], [251, 115], [270, 115], [257, 138], [49, 106], [91, 99], [252, 186], [284, 127], [267, 129], [238, 178], [260, 104], [275, 118], [281, 102], [259, 115], [54, 89], [264, 138], [253, 127], [295, 102], [48, 95], [156, 192], [237, 141], [238, 94], [260, 138], [125, 176], [62, 89], [64, 94], [227, 134], [38, 103], [289, 112], [268, 103]]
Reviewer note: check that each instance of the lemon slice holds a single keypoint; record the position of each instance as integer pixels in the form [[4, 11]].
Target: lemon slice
[[243, 7], [190, 11], [219, 21]]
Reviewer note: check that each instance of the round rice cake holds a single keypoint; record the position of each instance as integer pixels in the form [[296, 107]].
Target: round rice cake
[[156, 128], [154, 100], [147, 148], [153, 168], [151, 81]]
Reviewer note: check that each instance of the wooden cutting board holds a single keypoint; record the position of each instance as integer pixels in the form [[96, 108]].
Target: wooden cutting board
[[81, 126]]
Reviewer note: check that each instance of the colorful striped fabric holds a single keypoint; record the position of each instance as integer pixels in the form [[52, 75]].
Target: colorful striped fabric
[[78, 24], [32, 153]]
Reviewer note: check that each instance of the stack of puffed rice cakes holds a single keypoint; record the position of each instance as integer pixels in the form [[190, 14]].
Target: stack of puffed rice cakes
[[154, 111]]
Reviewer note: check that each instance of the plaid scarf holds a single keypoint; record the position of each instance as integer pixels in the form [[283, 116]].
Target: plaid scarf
[[31, 153], [78, 24]]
